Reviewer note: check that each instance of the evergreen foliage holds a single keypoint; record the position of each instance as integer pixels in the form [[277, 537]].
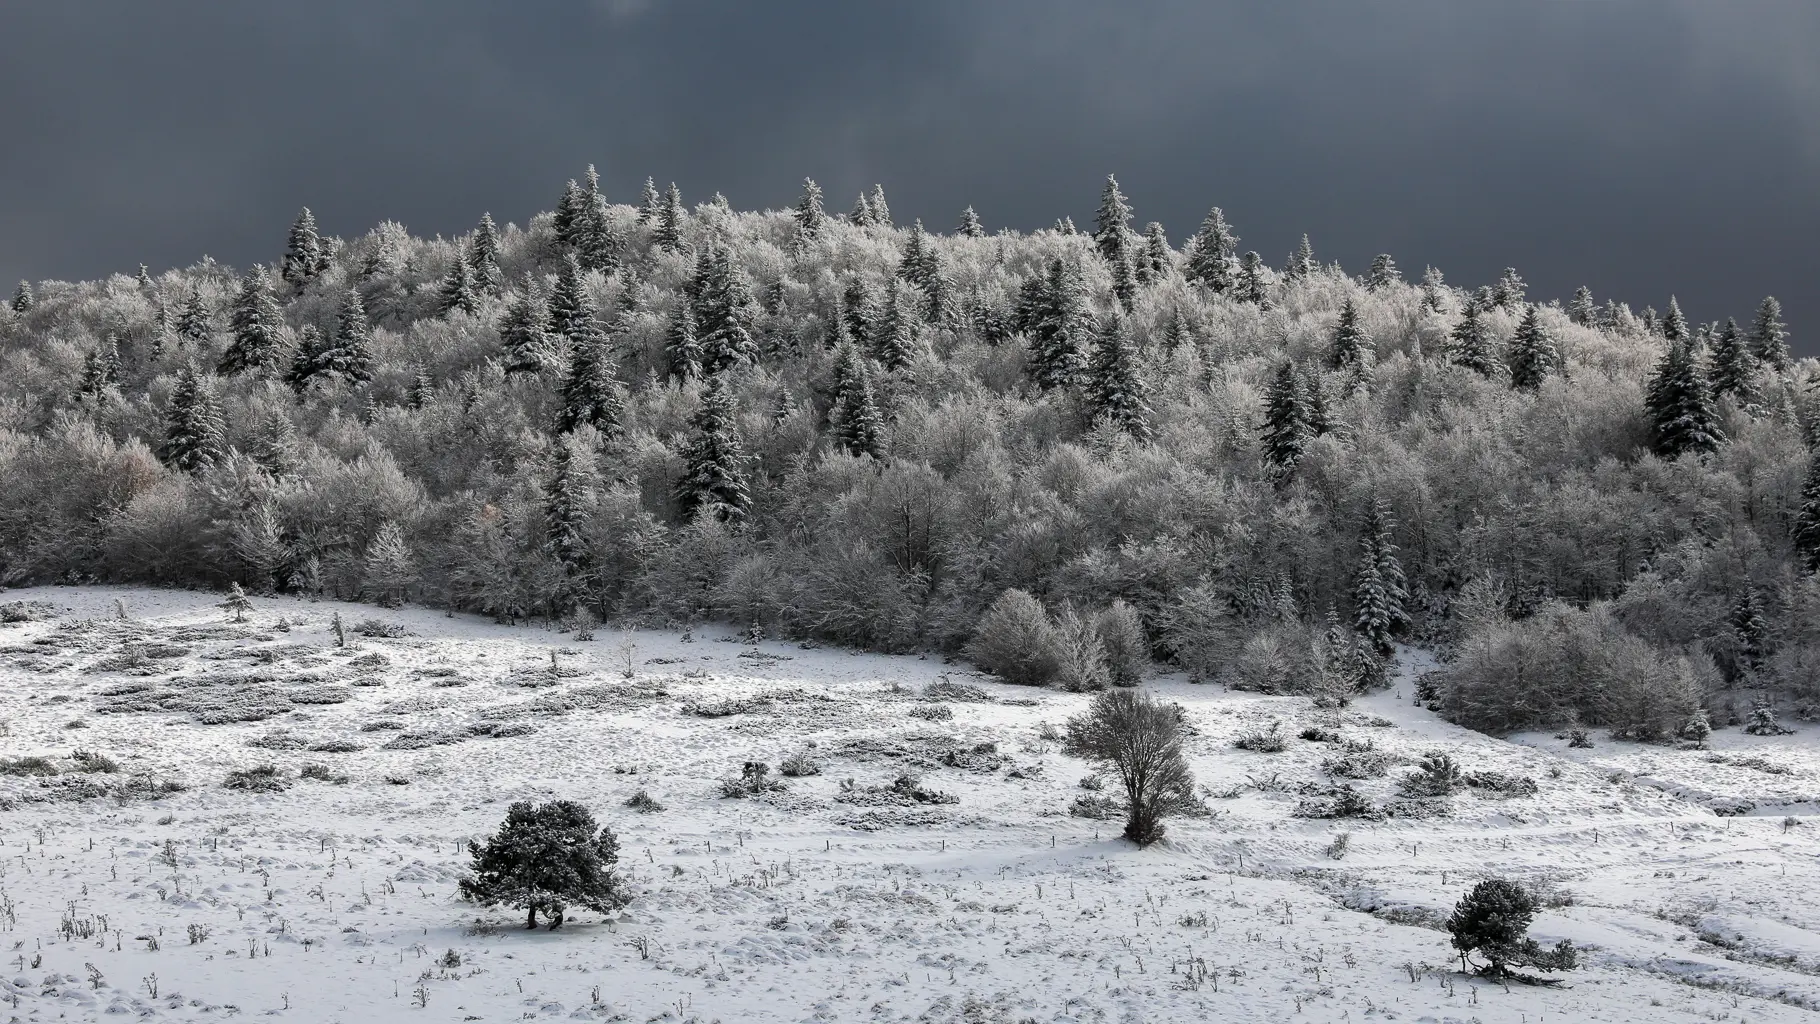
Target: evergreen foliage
[[195, 321], [724, 311], [1115, 384], [1807, 518], [1252, 284], [524, 332], [458, 292], [1061, 324], [854, 421], [1768, 339], [1493, 921], [23, 300], [894, 336], [1380, 591], [1533, 355], [1286, 419], [1384, 273], [1346, 350], [670, 220], [878, 211], [1674, 325], [303, 252], [1212, 260], [1156, 258], [1680, 405], [195, 432], [1471, 344], [1510, 290], [350, 354], [590, 390], [1582, 310], [544, 859], [682, 349], [650, 205], [1301, 262], [809, 214], [1112, 224], [970, 226], [1734, 365], [714, 481], [483, 256], [258, 326]]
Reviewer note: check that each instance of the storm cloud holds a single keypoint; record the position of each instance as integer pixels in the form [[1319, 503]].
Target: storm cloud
[[1642, 147]]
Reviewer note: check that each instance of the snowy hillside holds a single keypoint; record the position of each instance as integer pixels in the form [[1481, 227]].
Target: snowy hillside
[[931, 870]]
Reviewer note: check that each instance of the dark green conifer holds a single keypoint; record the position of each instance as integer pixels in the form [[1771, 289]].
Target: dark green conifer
[[724, 311], [1302, 262], [880, 210], [1734, 365], [682, 350], [854, 421], [670, 220], [258, 326], [1768, 339], [1112, 224], [1155, 258], [351, 354], [458, 291], [1434, 290], [649, 204], [894, 339], [1115, 384], [1384, 272], [714, 476], [1251, 283], [1680, 406], [1582, 310], [1286, 429], [1533, 355], [1212, 253], [1470, 344], [1674, 325], [1379, 590], [303, 252], [1510, 290], [195, 321], [483, 256], [1807, 518], [310, 359], [590, 391], [970, 225], [1062, 326], [195, 433], [1346, 350], [524, 331], [809, 214]]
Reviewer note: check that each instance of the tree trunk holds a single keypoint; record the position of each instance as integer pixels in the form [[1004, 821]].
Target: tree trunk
[[556, 919], [531, 917]]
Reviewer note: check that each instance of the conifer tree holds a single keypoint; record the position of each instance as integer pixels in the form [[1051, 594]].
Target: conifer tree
[[351, 354], [1156, 257], [100, 370], [309, 360], [1177, 332], [809, 213], [916, 264], [570, 209], [670, 219], [568, 500], [23, 301], [682, 351], [1807, 518], [1582, 310], [1211, 254], [862, 212], [724, 311], [1112, 224], [1302, 262], [1251, 283], [458, 291], [195, 322], [1066, 226], [275, 445], [880, 211], [1533, 355], [1125, 282], [1750, 631], [195, 433], [144, 280], [483, 256], [1674, 325], [970, 225], [1314, 401], [590, 391], [1286, 430], [591, 233], [524, 331], [1384, 272], [1346, 351], [382, 258], [1470, 344], [894, 339], [1767, 337], [714, 478], [1734, 365], [303, 252], [1379, 590], [1680, 406], [854, 421], [649, 204], [860, 310], [1652, 322], [422, 388], [1510, 290], [1115, 385], [258, 326], [574, 315], [1062, 326], [1434, 290]]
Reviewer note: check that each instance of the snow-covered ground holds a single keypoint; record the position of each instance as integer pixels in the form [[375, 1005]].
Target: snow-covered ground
[[334, 900]]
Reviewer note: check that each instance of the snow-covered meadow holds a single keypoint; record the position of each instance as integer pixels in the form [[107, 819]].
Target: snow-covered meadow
[[1688, 877]]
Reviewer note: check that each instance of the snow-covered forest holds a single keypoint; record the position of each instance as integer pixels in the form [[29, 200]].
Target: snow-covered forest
[[1068, 454]]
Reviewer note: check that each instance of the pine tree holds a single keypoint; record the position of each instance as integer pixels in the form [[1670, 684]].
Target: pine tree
[[1384, 272], [591, 234], [1379, 590], [1734, 365], [1211, 254], [458, 292], [862, 212], [809, 213], [144, 280], [237, 602], [1112, 224], [1314, 401], [570, 209], [1302, 262], [1434, 290], [1347, 349], [303, 252], [421, 388], [258, 326], [860, 310], [590, 391], [894, 339], [1533, 355], [682, 350], [1471, 344], [1063, 324], [195, 433], [1582, 310], [724, 311], [1114, 383], [388, 569], [483, 256], [1674, 325], [880, 211], [714, 478], [100, 370], [1251, 283], [566, 511], [1807, 518], [1680, 405], [1750, 631], [1286, 430], [854, 421], [23, 301], [670, 220], [574, 315], [1767, 337], [524, 332], [1510, 290], [195, 322], [1125, 282], [309, 360], [1156, 257], [1066, 226], [970, 225], [351, 354], [275, 445], [649, 204], [544, 858]]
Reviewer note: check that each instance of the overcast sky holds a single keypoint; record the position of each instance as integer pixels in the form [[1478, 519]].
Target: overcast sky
[[1642, 147]]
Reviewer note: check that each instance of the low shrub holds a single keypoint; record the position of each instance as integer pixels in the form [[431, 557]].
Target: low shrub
[[264, 779], [1269, 741]]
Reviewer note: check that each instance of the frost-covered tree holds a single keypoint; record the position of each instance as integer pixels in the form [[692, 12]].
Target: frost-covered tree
[[389, 567], [303, 252], [1112, 224], [854, 421], [1155, 258], [1768, 339], [1434, 290], [195, 431], [1212, 254], [483, 256], [970, 225], [879, 211], [101, 370], [574, 315], [724, 310], [1807, 518], [236, 603], [1384, 272], [1251, 281], [1115, 384], [195, 321], [545, 858], [1140, 739], [809, 214], [1510, 291], [1734, 365], [458, 291], [1061, 326], [670, 220], [860, 311], [1470, 344], [349, 353], [1582, 310], [524, 332], [1286, 430], [861, 215], [682, 350], [23, 300], [1680, 405], [568, 501], [1347, 347], [1302, 261], [894, 337], [1750, 631], [258, 326], [1379, 588], [714, 481], [308, 359], [649, 203], [1493, 920], [1674, 324], [590, 390], [1533, 355]]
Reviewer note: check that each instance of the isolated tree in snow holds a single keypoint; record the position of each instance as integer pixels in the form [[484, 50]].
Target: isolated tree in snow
[[1510, 290], [195, 432], [483, 255], [236, 603], [1734, 364], [1141, 739], [1112, 224], [458, 290], [1582, 310], [1470, 344], [303, 252], [1379, 590], [1384, 272], [682, 350], [1251, 281], [1212, 254], [1533, 355], [258, 326], [1493, 921], [854, 421], [1346, 349], [1114, 383], [524, 332], [714, 474], [1767, 337], [1807, 519], [1680, 405], [970, 225], [546, 858], [670, 220], [809, 214]]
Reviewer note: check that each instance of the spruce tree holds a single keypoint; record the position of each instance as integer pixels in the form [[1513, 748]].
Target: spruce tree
[[144, 280], [670, 220], [1112, 224], [1582, 310], [23, 301], [574, 315], [1750, 631], [421, 388], [524, 331], [649, 204], [1470, 344], [195, 322], [258, 326], [714, 476], [1767, 337], [894, 339], [880, 211], [309, 360], [1807, 518], [1384, 272], [1434, 290], [570, 209], [1156, 258], [970, 225], [1533, 355], [1125, 282], [724, 311], [854, 421], [1314, 401], [1063, 324], [1510, 290], [195, 433], [458, 291], [682, 350], [1286, 430], [100, 370], [1211, 254], [809, 214], [350, 355], [1680, 406], [483, 256], [303, 252], [1251, 283], [1379, 591], [1734, 365], [860, 310], [568, 499], [1346, 350], [1674, 325], [862, 212], [1302, 262], [591, 233], [590, 391], [1115, 384]]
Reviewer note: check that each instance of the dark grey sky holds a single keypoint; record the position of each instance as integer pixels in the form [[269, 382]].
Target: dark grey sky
[[1643, 147]]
